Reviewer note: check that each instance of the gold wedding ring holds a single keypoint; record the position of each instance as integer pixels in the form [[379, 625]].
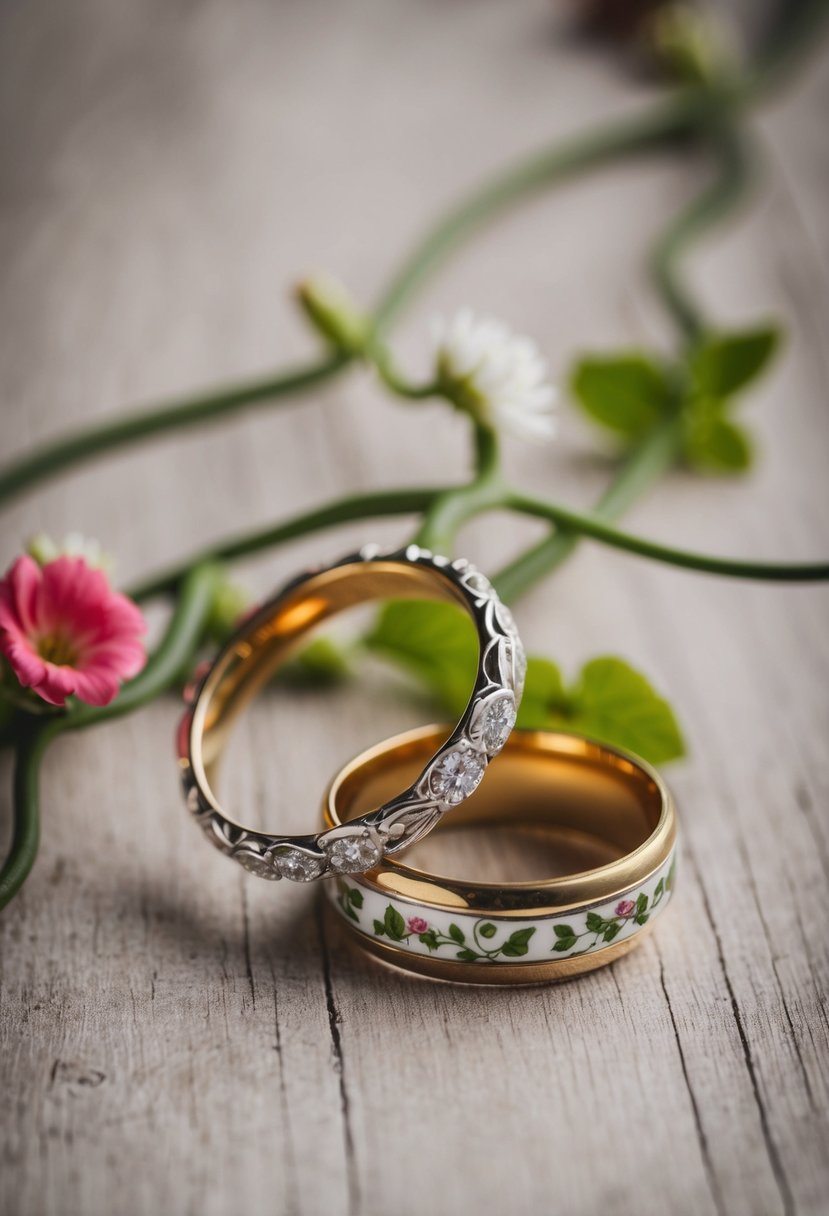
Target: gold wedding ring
[[601, 831]]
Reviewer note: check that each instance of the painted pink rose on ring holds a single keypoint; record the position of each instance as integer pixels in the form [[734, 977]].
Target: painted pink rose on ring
[[625, 907], [65, 632], [416, 924]]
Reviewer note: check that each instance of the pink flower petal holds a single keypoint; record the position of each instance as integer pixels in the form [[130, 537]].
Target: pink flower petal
[[96, 686], [69, 603], [56, 685], [25, 579], [28, 666]]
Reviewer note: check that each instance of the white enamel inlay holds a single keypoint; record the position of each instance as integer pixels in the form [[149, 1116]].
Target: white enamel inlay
[[462, 936]]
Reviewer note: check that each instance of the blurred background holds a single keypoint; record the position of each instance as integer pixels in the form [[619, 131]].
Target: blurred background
[[170, 170]]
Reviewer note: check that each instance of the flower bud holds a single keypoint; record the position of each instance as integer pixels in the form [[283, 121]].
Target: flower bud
[[230, 603], [333, 314], [694, 45]]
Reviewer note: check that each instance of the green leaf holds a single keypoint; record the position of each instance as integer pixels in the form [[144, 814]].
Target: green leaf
[[611, 702], [435, 642], [355, 897], [565, 943], [628, 393], [457, 934], [659, 891], [669, 881], [563, 931], [320, 664], [487, 930], [611, 931], [595, 923], [642, 918], [723, 364], [617, 705], [378, 928], [641, 904], [516, 944], [350, 913], [714, 444], [468, 956], [394, 924], [430, 939], [543, 693]]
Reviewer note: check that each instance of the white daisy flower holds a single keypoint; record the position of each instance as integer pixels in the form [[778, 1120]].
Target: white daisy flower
[[496, 376]]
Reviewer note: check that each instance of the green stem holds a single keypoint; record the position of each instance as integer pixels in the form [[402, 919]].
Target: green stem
[[79, 446], [648, 462], [656, 128], [378, 356], [450, 510], [26, 822], [659, 127], [487, 452], [794, 32], [162, 669], [343, 510], [734, 174], [660, 449], [593, 526]]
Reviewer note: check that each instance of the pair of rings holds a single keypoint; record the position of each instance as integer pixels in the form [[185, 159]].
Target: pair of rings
[[602, 820]]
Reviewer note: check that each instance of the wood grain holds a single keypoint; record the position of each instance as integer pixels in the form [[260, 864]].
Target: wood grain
[[175, 1037]]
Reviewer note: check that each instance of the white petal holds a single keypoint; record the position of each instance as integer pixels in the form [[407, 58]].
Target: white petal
[[505, 370]]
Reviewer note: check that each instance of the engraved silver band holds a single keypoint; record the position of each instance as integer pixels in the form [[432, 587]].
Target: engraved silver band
[[262, 643]]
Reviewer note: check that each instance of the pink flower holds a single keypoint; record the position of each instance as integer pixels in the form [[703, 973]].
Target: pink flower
[[625, 907], [65, 631], [416, 924]]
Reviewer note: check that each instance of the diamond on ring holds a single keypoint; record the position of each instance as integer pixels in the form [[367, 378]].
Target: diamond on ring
[[499, 719], [452, 774], [299, 867], [353, 854], [456, 775]]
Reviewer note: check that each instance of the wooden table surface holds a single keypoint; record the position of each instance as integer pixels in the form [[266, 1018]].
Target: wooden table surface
[[176, 1037]]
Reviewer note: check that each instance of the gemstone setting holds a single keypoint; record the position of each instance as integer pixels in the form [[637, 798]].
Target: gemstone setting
[[506, 620], [297, 866], [456, 774], [519, 667], [353, 854], [498, 721], [478, 582], [256, 864], [514, 666], [451, 776]]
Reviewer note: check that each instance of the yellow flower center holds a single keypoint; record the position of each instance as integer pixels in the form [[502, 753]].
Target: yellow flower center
[[58, 649]]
